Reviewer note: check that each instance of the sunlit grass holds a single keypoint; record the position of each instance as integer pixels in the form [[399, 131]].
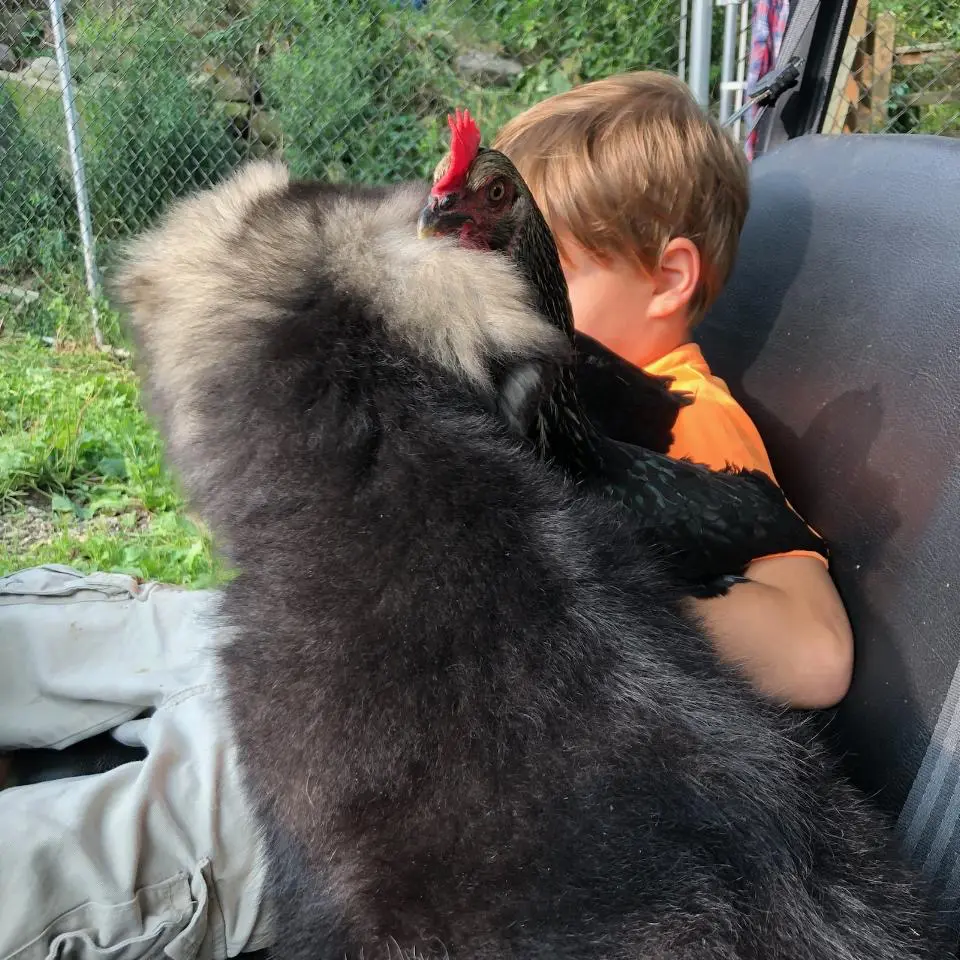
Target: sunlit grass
[[82, 477]]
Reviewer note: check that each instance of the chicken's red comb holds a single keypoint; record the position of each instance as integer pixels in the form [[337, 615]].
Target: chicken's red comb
[[464, 144]]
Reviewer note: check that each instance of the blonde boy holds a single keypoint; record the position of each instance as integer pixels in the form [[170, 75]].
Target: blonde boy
[[647, 197]]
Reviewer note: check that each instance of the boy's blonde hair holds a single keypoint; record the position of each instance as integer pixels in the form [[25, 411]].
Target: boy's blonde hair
[[628, 163]]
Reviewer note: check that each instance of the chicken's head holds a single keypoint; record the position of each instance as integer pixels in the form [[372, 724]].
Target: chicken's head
[[478, 195]]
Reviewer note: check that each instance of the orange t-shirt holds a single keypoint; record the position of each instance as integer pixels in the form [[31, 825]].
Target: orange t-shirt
[[714, 429]]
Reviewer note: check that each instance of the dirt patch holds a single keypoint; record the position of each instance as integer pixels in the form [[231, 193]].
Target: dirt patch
[[21, 529], [30, 525]]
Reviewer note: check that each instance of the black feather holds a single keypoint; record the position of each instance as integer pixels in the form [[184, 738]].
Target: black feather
[[624, 402]]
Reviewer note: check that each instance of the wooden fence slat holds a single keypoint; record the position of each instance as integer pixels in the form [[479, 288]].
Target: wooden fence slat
[[884, 44], [845, 95]]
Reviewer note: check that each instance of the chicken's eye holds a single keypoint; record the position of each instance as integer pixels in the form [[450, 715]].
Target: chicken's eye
[[496, 191]]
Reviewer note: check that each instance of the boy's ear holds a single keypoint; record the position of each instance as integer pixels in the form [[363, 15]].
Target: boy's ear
[[676, 279]]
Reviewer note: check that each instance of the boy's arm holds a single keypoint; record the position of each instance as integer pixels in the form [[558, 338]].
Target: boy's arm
[[787, 629]]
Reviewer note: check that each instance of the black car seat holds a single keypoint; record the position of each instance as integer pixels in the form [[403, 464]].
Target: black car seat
[[839, 332]]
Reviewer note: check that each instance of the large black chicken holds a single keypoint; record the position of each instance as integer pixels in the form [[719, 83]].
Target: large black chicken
[[711, 523]]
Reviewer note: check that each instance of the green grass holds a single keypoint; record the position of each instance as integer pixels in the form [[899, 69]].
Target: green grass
[[82, 478]]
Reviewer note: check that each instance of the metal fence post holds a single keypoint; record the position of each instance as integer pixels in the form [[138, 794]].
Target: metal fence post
[[76, 160], [682, 42], [731, 9], [741, 84], [701, 22]]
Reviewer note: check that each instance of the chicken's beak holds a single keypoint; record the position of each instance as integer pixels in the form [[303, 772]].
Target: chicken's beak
[[436, 218], [429, 221]]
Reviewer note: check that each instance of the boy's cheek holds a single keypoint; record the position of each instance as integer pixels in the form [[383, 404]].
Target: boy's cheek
[[592, 307], [580, 305], [584, 290]]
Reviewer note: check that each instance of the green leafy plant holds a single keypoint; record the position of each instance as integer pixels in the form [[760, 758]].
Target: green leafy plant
[[147, 142], [82, 477], [37, 227]]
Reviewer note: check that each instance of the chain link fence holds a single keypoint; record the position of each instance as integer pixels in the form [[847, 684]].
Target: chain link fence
[[900, 70], [169, 95], [129, 103]]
